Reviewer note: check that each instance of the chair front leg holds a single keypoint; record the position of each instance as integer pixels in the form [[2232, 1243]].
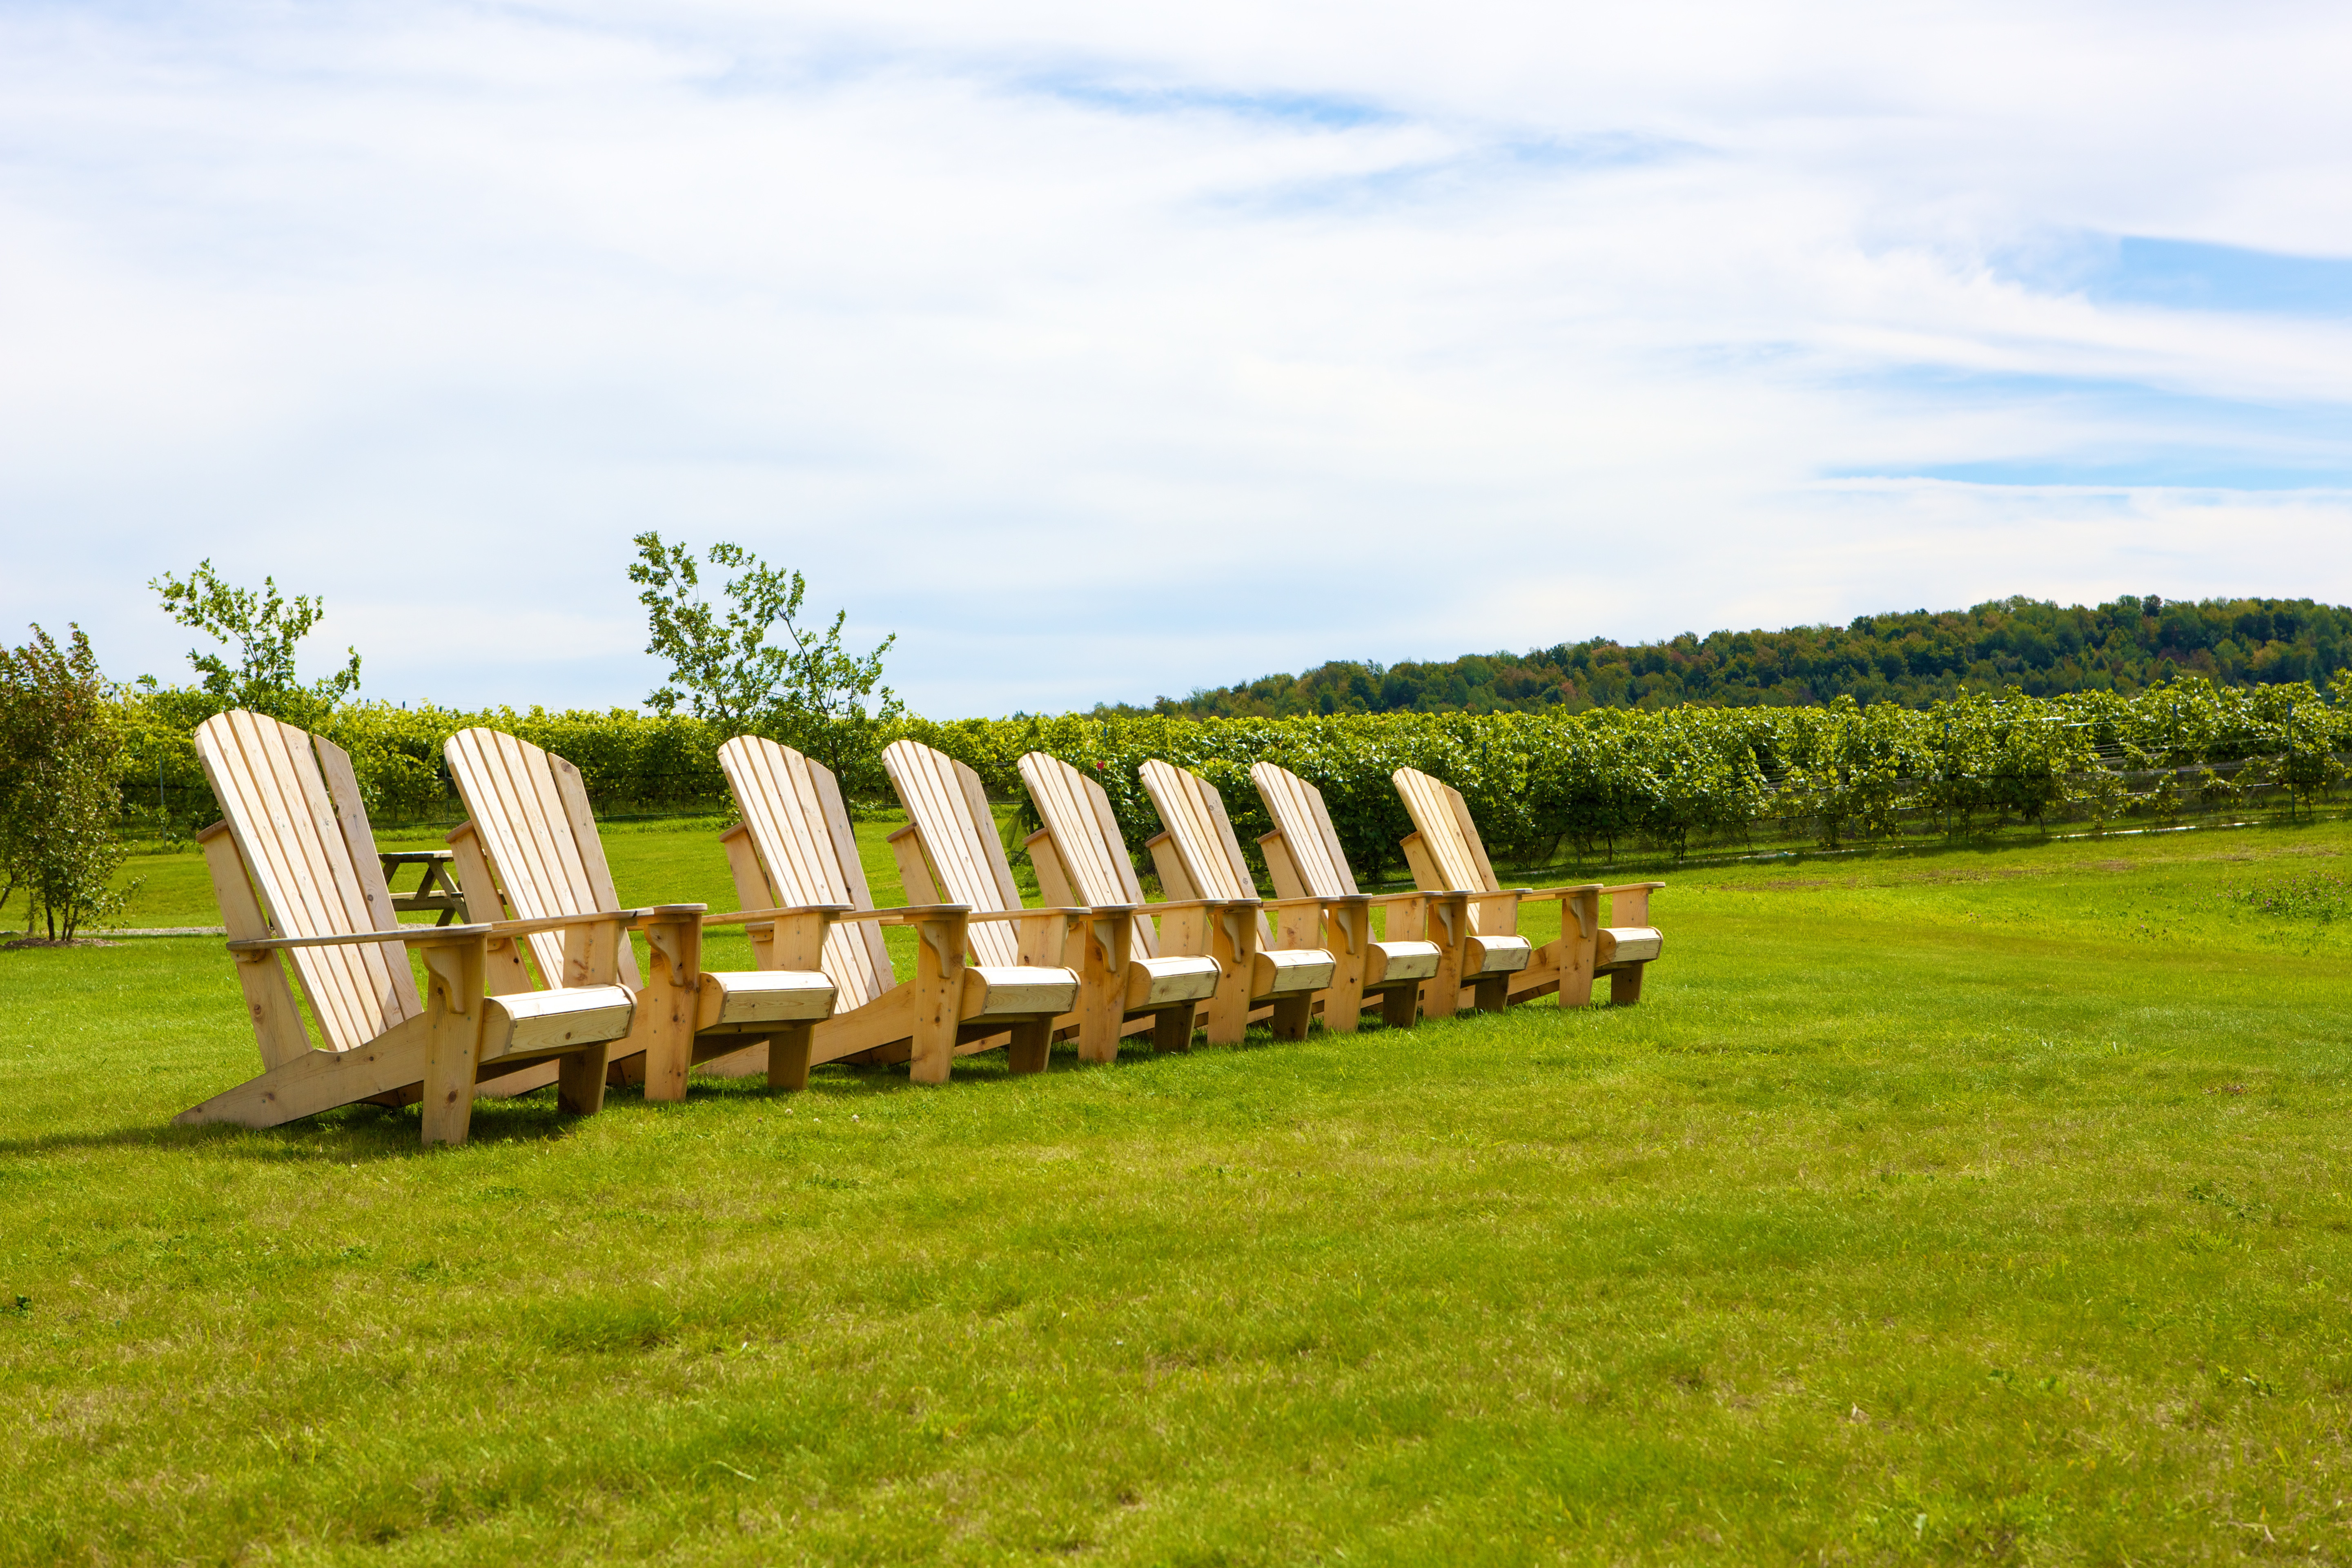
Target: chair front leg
[[1106, 942], [788, 1055], [1445, 921], [937, 994], [1580, 942], [1171, 1029], [453, 1035], [579, 1079], [1347, 936], [1031, 1045], [1234, 930], [668, 1004]]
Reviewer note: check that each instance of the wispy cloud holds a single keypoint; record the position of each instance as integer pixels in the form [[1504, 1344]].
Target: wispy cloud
[[1101, 352]]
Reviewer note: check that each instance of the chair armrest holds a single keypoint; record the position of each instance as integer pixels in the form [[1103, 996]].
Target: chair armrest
[[1032, 914], [907, 914], [416, 936], [1167, 904], [1634, 887], [754, 916], [557, 922], [1561, 892], [1420, 893], [1333, 899], [659, 913]]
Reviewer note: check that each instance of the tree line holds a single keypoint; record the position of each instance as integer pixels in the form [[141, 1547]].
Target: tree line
[[2168, 707], [1585, 787], [1913, 659]]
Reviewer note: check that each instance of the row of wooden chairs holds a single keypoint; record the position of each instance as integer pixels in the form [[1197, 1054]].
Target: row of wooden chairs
[[542, 985]]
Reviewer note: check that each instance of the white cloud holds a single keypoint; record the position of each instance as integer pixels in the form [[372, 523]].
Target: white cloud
[[1102, 352]]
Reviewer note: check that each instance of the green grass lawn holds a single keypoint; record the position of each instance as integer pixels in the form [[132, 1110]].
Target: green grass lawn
[[1982, 1204]]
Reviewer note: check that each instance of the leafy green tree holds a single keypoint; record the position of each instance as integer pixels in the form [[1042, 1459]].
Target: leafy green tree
[[806, 689], [61, 745], [265, 628]]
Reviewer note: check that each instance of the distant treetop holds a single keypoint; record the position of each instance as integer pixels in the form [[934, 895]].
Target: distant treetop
[[1913, 658]]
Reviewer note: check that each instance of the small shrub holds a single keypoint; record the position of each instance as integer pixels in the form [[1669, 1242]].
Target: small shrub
[[61, 745]]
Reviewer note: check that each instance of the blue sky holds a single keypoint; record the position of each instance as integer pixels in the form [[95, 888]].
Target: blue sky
[[1100, 353]]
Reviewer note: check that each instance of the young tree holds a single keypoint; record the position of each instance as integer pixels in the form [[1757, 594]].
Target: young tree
[[807, 691], [265, 628], [60, 747]]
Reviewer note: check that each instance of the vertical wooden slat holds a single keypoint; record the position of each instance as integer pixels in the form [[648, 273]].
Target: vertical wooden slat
[[296, 899], [940, 808], [572, 791], [1447, 831], [987, 844], [522, 860], [1077, 813], [1296, 808], [364, 968], [575, 886], [1194, 814], [801, 831], [546, 877], [359, 839], [269, 1000], [1481, 868], [313, 861], [846, 870]]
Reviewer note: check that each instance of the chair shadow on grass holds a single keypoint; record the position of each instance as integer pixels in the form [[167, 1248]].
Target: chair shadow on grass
[[384, 1132]]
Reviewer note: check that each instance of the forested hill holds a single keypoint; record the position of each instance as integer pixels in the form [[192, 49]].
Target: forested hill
[[1914, 657]]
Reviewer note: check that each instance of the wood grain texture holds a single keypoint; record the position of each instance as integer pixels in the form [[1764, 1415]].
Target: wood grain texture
[[795, 846], [1446, 851]]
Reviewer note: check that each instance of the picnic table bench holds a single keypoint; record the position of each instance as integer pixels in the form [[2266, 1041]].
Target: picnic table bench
[[435, 892]]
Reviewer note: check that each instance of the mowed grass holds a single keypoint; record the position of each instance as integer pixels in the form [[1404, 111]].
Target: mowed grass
[[1967, 1204]]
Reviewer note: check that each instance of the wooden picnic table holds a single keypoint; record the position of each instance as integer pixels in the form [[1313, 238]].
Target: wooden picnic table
[[435, 892]]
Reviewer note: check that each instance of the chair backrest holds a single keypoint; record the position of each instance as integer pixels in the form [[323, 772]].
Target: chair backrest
[[530, 810], [293, 806], [1442, 817], [1076, 812], [948, 809], [1296, 808], [1203, 835], [800, 830]]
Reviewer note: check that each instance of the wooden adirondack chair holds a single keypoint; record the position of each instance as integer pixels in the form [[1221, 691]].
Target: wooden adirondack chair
[[948, 851], [1303, 852], [1127, 981], [532, 842], [294, 865], [795, 846], [1444, 850], [1196, 853]]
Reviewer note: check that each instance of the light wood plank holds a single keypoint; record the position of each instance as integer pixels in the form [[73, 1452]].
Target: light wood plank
[[296, 834], [370, 968], [572, 791], [272, 823], [949, 828], [269, 1000], [800, 830]]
